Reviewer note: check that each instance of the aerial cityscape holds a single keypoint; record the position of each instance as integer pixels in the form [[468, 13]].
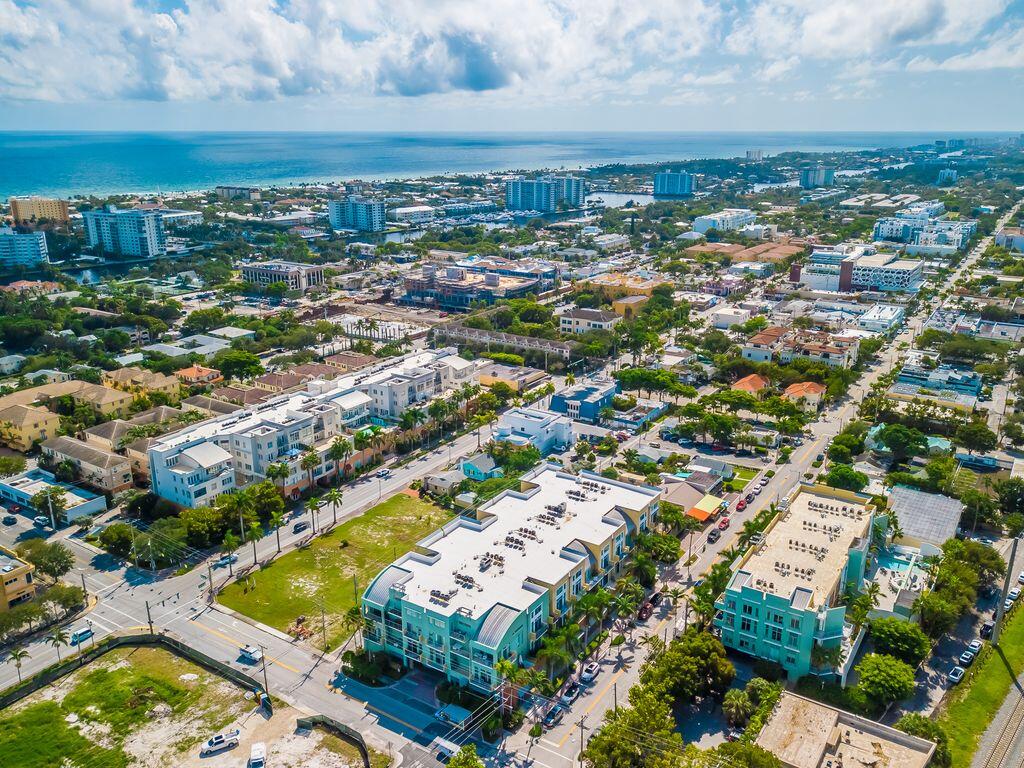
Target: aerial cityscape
[[382, 390]]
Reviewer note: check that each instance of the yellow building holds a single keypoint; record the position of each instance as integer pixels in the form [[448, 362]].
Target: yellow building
[[629, 307], [104, 401], [19, 584], [140, 380], [22, 426], [518, 378], [36, 208], [615, 284]]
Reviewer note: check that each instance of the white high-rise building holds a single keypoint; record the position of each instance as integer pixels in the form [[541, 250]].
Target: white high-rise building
[[22, 249], [674, 183], [127, 232], [357, 212], [531, 195]]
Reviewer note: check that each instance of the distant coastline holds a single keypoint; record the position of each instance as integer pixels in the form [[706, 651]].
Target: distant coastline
[[103, 163]]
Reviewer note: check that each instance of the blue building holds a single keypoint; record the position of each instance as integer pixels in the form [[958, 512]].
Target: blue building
[[20, 489], [585, 400], [678, 183], [944, 378], [480, 467]]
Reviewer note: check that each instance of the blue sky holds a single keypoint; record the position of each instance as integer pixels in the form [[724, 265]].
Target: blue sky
[[503, 65]]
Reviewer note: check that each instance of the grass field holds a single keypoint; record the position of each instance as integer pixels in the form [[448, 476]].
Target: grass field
[[741, 478], [970, 707], [331, 571], [115, 700]]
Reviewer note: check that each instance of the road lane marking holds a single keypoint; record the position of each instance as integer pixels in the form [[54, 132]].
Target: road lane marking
[[593, 704], [381, 713], [235, 643]]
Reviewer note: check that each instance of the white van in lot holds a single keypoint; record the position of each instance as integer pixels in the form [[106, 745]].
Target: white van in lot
[[258, 755]]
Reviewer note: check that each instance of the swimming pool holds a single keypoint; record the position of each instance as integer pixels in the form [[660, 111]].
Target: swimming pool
[[891, 562]]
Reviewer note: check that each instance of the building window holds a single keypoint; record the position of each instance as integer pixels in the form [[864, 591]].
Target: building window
[[605, 557], [745, 624], [775, 634], [793, 639], [577, 582], [560, 598], [794, 623]]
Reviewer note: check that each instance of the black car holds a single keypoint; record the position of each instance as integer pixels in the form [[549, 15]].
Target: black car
[[300, 526], [9, 520], [714, 535], [750, 498], [656, 598], [986, 629]]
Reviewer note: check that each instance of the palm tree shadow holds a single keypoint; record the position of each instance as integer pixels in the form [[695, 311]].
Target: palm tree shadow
[[1014, 675]]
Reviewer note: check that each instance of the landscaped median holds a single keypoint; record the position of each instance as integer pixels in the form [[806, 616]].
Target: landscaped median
[[969, 708], [332, 570]]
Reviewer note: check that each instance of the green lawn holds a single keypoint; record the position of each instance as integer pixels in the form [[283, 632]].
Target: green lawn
[[741, 478], [968, 710], [114, 695], [331, 570]]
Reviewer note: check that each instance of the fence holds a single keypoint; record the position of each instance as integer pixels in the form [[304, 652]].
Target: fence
[[343, 731]]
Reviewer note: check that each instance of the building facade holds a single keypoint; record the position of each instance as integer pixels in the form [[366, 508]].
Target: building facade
[[358, 213], [585, 320], [675, 183], [105, 471], [544, 430], [298, 277], [22, 249], [127, 232], [585, 400], [531, 195], [18, 580], [30, 209], [488, 587], [78, 502], [225, 192], [725, 220], [811, 178], [455, 289]]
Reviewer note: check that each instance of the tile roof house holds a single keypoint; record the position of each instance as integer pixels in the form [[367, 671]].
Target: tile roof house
[[807, 394], [199, 374], [754, 384]]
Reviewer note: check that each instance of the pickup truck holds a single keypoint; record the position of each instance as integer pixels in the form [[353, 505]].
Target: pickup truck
[[226, 740]]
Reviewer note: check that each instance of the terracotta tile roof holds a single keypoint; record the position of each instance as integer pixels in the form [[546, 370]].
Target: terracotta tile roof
[[753, 383]]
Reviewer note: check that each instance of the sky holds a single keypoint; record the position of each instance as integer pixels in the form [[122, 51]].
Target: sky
[[479, 65]]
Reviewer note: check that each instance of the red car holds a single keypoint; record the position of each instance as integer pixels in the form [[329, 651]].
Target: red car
[[723, 523], [741, 505], [645, 611]]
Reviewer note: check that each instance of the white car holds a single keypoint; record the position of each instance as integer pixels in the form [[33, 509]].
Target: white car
[[590, 672], [226, 740], [1020, 577], [956, 674], [975, 646], [251, 653], [258, 755], [1014, 593]]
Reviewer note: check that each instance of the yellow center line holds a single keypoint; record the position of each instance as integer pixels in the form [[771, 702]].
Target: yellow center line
[[236, 642], [593, 704]]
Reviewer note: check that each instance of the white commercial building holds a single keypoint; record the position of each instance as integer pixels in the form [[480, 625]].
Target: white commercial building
[[725, 220], [192, 466], [19, 249], [412, 214], [356, 212], [544, 430], [298, 277], [127, 232], [726, 317], [881, 318]]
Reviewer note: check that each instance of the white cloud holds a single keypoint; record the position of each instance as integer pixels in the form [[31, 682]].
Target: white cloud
[[1001, 51], [773, 70]]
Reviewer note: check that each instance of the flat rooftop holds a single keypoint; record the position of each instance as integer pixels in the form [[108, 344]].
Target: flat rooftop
[[805, 734], [808, 546], [519, 543]]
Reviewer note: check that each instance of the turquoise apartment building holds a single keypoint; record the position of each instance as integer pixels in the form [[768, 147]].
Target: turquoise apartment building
[[787, 594], [479, 590]]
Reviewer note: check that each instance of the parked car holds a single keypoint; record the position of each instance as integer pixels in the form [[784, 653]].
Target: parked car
[[224, 560], [590, 672], [226, 740], [749, 498], [741, 505], [757, 490], [250, 653], [764, 481], [645, 611], [714, 535], [258, 755], [966, 659], [80, 635], [554, 716], [571, 693], [975, 646], [9, 520], [656, 598], [300, 526], [1020, 577], [41, 520], [1014, 593], [986, 630], [956, 674], [723, 523]]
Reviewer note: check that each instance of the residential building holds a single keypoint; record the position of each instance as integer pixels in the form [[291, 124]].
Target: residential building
[[126, 232], [412, 214], [202, 344], [18, 580], [820, 347], [927, 520], [586, 320], [544, 430], [175, 218], [812, 178], [105, 471], [755, 155], [1011, 238], [611, 242], [540, 270], [104, 401], [24, 426], [226, 192], [518, 378], [480, 466], [141, 380], [807, 394], [209, 406], [443, 483], [786, 596], [32, 209], [489, 587], [298, 277], [78, 502], [943, 378], [947, 177], [585, 400], [727, 317], [198, 375], [456, 289], [570, 190], [11, 364], [725, 220], [765, 344], [803, 733], [285, 381], [857, 267], [359, 213], [22, 249], [37, 288], [193, 465], [754, 384], [918, 226], [629, 307], [616, 284], [675, 183], [531, 195], [469, 207], [350, 361]]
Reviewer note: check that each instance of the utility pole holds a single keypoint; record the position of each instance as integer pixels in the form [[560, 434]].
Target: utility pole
[[582, 738], [615, 696], [355, 588], [323, 623], [149, 618], [209, 574], [53, 520], [84, 590], [266, 685], [1002, 595]]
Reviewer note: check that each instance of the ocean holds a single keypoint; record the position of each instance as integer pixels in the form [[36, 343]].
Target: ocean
[[69, 164]]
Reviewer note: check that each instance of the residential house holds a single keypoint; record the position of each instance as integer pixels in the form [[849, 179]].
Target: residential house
[[443, 483], [807, 394], [629, 307], [105, 471], [544, 430], [764, 345], [18, 580], [753, 384], [579, 321], [585, 400], [199, 375], [480, 466], [23, 426], [209, 406], [132, 379]]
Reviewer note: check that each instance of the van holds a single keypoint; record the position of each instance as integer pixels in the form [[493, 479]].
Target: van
[[80, 635], [258, 755]]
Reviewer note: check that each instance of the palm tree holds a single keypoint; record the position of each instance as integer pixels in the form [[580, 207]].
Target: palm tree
[[17, 655], [570, 379], [57, 638], [737, 706], [623, 605], [255, 533], [334, 497], [313, 505], [354, 622], [278, 471], [553, 654], [643, 568], [437, 411], [276, 521], [338, 452], [676, 595], [309, 461], [416, 416], [511, 675], [469, 391], [654, 644], [228, 545]]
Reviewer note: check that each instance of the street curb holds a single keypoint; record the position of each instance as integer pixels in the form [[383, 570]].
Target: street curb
[[253, 623]]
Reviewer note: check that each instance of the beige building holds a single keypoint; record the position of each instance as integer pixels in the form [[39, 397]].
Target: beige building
[[22, 426], [518, 378], [140, 380], [806, 394], [101, 469], [19, 584], [199, 374], [104, 401], [805, 734], [36, 208]]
